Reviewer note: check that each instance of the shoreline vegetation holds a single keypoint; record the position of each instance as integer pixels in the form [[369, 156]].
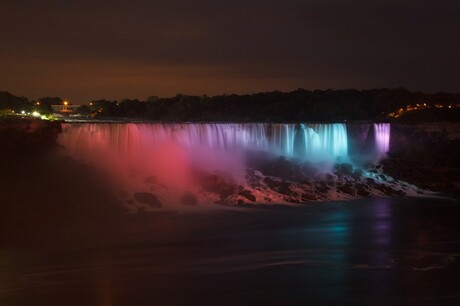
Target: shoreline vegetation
[[394, 105]]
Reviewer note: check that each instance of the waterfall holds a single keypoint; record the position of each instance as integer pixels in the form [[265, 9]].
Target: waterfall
[[382, 138], [314, 142], [176, 155]]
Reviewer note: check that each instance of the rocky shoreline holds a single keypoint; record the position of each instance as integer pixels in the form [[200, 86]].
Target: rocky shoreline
[[271, 182]]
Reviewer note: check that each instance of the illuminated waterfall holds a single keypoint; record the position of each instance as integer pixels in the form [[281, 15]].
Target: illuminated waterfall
[[324, 141], [316, 141], [382, 138]]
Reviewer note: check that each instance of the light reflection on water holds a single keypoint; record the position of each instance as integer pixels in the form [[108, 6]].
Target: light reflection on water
[[323, 253]]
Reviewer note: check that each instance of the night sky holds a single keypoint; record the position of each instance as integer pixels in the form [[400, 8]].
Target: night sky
[[83, 50]]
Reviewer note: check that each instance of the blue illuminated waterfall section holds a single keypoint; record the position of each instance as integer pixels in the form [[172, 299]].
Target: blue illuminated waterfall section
[[322, 141], [313, 142], [382, 138]]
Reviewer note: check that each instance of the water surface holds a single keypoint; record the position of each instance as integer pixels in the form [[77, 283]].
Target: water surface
[[367, 252]]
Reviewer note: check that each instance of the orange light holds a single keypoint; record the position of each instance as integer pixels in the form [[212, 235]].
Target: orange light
[[66, 103]]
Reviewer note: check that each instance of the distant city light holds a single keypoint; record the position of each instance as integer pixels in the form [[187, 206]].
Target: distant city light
[[398, 113], [36, 114], [23, 112]]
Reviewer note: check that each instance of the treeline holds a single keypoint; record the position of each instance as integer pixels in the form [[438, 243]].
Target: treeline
[[276, 106], [11, 103]]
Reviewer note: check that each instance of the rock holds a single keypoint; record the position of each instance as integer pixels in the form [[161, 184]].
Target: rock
[[285, 169], [321, 188], [308, 197], [361, 190], [252, 178], [188, 199], [281, 187], [344, 169], [226, 192], [248, 195], [347, 188], [223, 186], [147, 198], [357, 174]]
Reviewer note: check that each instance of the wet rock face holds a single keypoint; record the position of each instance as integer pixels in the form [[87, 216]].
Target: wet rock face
[[248, 195], [253, 178], [279, 186], [347, 188], [221, 184], [344, 169], [148, 198], [282, 167]]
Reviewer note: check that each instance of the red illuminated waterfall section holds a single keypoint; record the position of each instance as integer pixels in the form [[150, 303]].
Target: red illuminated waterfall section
[[382, 138]]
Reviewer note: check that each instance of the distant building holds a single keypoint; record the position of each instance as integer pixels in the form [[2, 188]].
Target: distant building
[[64, 108]]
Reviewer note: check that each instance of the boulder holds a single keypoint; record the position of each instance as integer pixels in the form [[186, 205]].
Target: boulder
[[147, 198], [248, 195]]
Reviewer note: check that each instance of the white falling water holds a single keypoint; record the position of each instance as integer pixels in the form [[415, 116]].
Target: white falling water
[[314, 142], [382, 138]]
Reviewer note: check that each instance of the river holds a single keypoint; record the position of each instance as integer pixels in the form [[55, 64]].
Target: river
[[387, 251]]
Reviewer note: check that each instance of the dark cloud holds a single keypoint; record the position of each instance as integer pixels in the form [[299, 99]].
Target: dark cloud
[[85, 49]]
